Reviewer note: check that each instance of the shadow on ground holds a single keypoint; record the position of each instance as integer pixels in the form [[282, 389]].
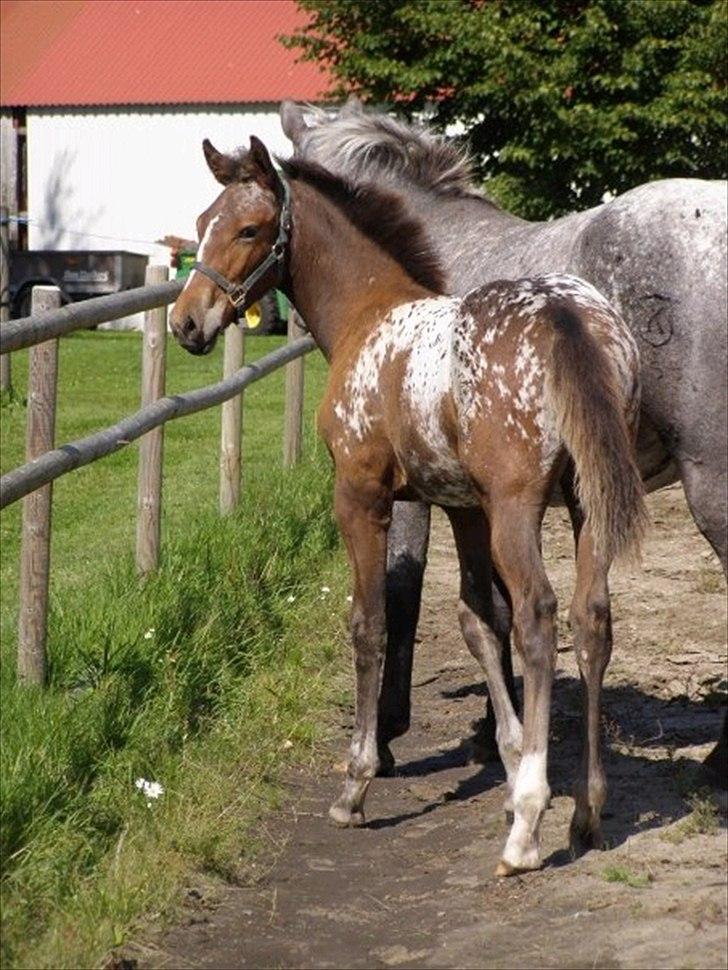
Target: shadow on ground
[[649, 782]]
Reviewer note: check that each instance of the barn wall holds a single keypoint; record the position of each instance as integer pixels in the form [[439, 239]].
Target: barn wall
[[122, 178]]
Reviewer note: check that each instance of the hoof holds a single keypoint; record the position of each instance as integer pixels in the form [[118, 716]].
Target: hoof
[[505, 869], [582, 841], [387, 763], [344, 817], [585, 833]]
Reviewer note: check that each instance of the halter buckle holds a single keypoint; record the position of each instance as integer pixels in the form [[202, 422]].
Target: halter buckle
[[237, 295]]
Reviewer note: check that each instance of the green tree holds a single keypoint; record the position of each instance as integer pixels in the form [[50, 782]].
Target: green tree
[[560, 100]]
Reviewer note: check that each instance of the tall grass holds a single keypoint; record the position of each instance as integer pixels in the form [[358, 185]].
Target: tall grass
[[205, 678], [165, 680]]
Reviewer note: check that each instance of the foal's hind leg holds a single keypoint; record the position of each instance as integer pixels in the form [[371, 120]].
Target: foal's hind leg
[[516, 526], [363, 510], [475, 612], [592, 626]]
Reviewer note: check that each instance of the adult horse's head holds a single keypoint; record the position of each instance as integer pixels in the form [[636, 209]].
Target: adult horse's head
[[242, 246]]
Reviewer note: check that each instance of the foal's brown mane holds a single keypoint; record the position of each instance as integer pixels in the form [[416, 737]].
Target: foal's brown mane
[[381, 215]]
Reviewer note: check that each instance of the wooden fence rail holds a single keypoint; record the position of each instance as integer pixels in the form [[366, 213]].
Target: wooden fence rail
[[17, 334], [75, 454], [46, 463]]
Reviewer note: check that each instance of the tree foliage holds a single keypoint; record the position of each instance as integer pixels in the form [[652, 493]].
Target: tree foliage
[[560, 100]]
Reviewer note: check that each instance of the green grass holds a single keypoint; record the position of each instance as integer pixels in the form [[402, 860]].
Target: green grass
[[206, 678], [702, 820], [625, 876]]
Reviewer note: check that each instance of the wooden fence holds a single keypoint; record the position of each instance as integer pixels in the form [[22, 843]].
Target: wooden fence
[[44, 463]]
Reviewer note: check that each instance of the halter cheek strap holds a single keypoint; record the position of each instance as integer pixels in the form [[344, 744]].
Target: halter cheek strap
[[237, 293]]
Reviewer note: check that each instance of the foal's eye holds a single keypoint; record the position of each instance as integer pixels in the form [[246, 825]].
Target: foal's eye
[[250, 232]]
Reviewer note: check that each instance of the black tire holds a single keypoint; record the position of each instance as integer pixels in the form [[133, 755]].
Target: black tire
[[270, 322], [21, 303]]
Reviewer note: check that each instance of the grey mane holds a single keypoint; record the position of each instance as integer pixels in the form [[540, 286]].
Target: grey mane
[[361, 142]]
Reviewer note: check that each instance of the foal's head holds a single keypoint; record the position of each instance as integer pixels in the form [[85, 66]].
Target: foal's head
[[236, 234]]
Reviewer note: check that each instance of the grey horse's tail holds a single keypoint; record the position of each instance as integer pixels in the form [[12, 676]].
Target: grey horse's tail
[[590, 410]]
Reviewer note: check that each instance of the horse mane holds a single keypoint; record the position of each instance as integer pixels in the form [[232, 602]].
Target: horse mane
[[360, 142], [380, 214]]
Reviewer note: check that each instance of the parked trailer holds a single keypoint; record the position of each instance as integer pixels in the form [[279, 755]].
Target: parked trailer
[[79, 274]]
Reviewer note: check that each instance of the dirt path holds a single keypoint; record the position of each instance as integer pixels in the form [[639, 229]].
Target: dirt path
[[415, 888]]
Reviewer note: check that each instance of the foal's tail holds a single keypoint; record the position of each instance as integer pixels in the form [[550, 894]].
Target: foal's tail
[[590, 410]]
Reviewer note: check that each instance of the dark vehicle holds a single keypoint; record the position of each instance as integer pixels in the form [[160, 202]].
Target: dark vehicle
[[79, 274]]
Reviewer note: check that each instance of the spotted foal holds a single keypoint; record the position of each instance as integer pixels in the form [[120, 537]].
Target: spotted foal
[[474, 403]]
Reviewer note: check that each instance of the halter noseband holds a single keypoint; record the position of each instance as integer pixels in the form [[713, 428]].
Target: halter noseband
[[237, 293]]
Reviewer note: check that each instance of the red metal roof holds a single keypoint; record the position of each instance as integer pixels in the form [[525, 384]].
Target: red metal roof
[[102, 52]]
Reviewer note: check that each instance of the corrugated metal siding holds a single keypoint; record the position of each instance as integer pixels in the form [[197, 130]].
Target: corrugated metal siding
[[122, 179]]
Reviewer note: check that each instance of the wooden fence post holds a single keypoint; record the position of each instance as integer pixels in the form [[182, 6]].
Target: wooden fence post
[[6, 383], [293, 419], [232, 423], [35, 547], [151, 446]]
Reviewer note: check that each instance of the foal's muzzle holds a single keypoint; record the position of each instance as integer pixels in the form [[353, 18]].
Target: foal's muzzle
[[193, 339]]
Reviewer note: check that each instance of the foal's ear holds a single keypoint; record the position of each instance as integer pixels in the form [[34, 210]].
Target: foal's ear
[[223, 167], [260, 166], [293, 122]]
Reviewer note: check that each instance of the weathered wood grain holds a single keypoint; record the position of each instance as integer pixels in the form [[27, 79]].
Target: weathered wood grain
[[151, 447], [293, 417], [36, 534], [231, 423], [31, 330]]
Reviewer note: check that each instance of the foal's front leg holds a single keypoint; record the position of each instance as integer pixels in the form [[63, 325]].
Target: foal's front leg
[[363, 509]]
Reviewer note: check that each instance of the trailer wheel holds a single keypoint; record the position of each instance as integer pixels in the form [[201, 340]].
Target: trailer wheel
[[262, 317], [21, 302]]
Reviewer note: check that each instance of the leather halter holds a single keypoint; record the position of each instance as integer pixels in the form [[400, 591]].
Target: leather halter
[[237, 293]]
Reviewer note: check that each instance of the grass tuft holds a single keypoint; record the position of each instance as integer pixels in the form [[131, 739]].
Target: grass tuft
[[710, 580], [702, 820], [623, 875]]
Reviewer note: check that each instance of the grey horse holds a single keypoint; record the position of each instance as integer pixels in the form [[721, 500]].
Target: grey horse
[[657, 252]]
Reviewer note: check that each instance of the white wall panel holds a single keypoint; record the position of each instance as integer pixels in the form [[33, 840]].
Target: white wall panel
[[121, 178]]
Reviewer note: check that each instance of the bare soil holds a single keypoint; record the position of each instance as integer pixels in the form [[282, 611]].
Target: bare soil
[[415, 887]]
